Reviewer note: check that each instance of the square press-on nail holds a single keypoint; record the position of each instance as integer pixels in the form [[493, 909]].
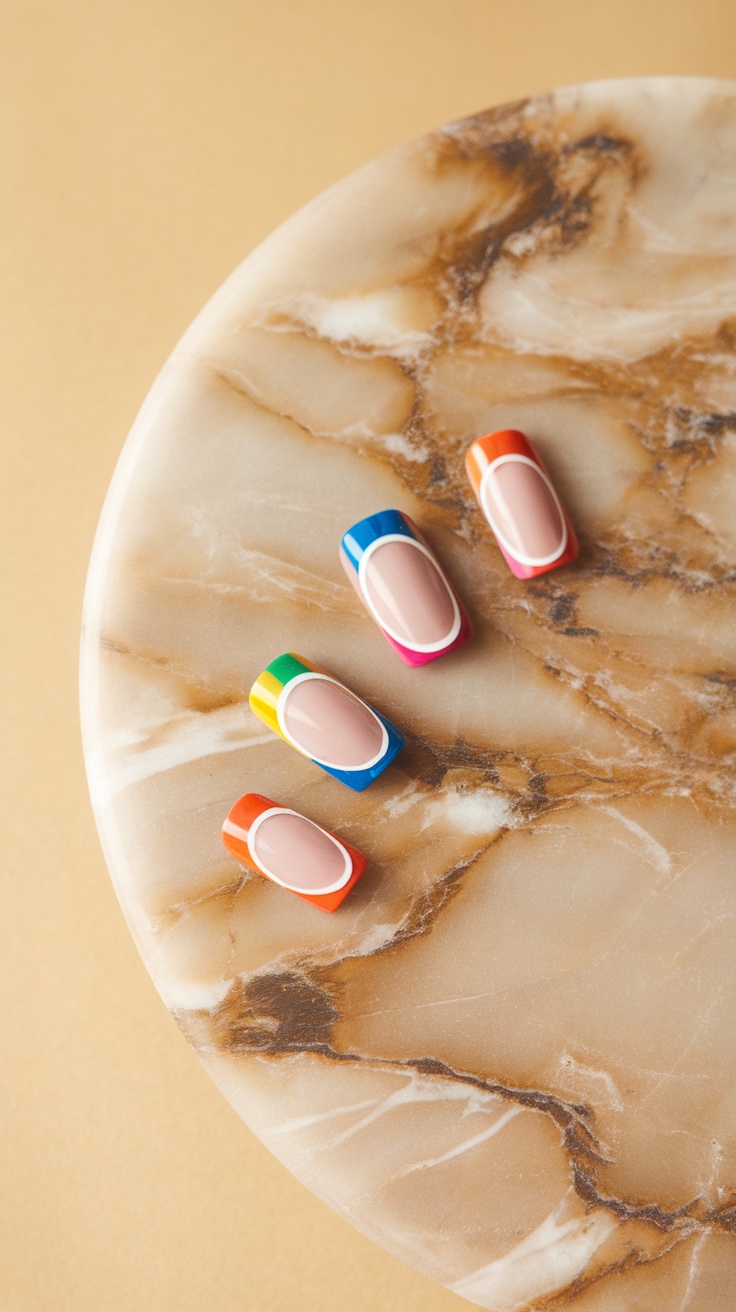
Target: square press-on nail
[[292, 851], [325, 721], [403, 586], [517, 497]]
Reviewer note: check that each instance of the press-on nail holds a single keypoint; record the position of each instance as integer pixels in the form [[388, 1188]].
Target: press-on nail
[[292, 851], [324, 720], [517, 497], [403, 586]]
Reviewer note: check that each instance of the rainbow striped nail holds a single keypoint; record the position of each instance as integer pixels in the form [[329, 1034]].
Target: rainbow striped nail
[[403, 586], [325, 721]]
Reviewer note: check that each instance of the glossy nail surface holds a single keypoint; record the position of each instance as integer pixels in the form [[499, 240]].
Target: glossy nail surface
[[292, 851], [404, 588], [332, 726], [324, 720], [520, 503]]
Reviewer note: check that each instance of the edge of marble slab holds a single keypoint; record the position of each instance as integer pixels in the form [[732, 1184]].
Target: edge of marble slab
[[111, 837]]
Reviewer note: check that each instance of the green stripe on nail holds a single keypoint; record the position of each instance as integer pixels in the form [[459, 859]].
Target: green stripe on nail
[[287, 667]]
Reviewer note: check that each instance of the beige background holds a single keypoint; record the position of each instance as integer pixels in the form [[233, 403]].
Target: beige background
[[145, 148]]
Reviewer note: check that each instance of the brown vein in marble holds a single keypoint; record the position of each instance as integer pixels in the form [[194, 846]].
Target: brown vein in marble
[[201, 696], [634, 1258], [556, 211], [429, 904], [431, 760], [294, 1013]]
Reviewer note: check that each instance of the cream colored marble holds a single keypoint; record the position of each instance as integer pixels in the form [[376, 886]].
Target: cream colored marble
[[511, 1057]]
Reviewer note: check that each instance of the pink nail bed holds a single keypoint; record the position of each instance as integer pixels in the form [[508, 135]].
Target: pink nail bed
[[402, 585], [331, 724], [292, 851]]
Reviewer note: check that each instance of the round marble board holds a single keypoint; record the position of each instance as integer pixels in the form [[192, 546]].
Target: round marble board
[[510, 1057]]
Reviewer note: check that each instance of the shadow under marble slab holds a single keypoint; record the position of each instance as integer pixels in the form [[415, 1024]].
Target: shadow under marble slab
[[510, 1058]]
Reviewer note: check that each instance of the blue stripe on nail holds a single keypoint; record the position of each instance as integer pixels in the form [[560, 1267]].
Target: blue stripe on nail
[[368, 530], [359, 780]]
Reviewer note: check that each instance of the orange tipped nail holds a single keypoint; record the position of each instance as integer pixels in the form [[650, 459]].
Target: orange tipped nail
[[518, 499], [292, 851]]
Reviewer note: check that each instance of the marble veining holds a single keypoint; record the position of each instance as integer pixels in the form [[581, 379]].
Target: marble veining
[[510, 1057]]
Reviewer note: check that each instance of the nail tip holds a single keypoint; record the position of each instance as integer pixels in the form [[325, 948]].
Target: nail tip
[[415, 659]]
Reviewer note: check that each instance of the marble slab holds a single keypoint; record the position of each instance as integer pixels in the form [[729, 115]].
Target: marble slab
[[510, 1058]]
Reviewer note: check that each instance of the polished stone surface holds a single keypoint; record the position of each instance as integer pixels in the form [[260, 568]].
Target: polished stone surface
[[510, 1058]]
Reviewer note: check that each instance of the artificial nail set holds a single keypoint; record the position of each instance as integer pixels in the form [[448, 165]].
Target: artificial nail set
[[404, 588]]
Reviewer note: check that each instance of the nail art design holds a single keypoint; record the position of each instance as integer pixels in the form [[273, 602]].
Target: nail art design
[[404, 588], [292, 851], [325, 721], [517, 498]]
